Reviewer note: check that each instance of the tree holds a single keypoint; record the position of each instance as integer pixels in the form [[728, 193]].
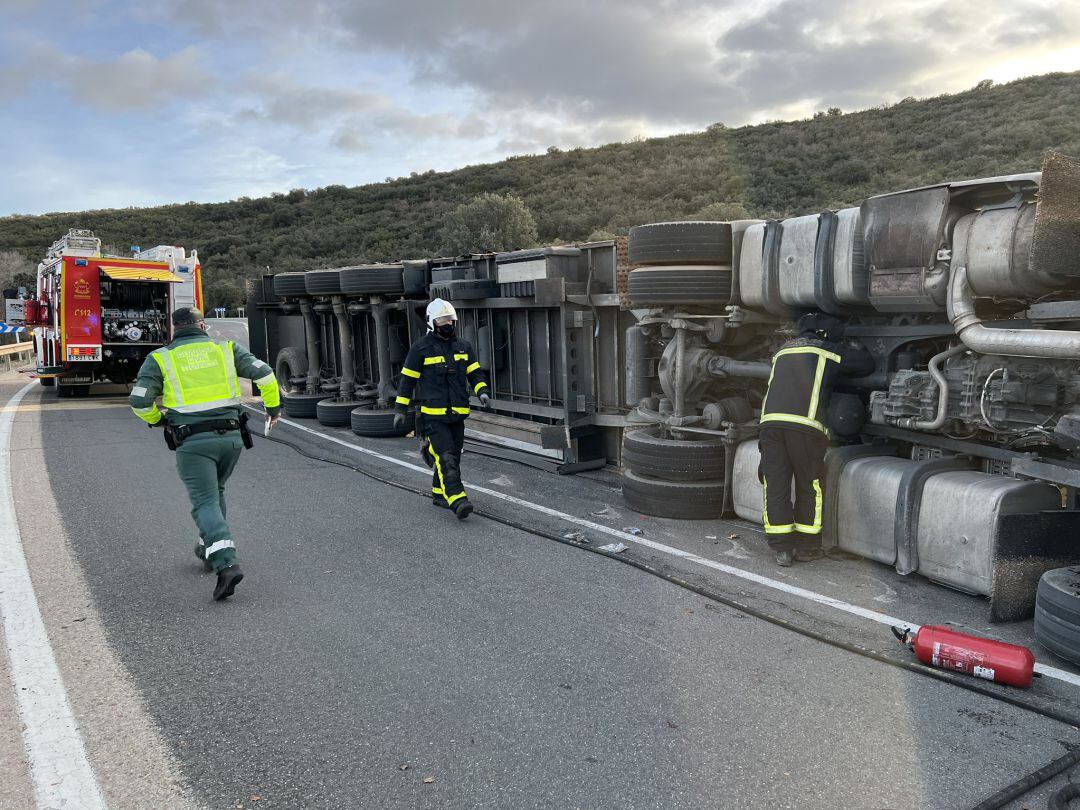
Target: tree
[[723, 212], [489, 222], [16, 271]]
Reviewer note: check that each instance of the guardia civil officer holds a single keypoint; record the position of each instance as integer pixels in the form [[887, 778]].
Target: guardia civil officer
[[197, 379], [448, 372], [794, 437]]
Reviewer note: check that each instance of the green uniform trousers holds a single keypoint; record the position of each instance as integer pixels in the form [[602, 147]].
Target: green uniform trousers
[[205, 462]]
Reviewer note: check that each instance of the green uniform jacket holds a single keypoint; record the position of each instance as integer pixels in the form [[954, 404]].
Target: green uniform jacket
[[149, 385]]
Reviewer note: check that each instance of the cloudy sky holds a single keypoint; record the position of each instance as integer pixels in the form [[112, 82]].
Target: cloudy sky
[[114, 103]]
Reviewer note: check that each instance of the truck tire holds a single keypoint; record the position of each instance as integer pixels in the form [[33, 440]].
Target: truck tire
[[47, 382], [289, 285], [373, 279], [647, 453], [334, 413], [687, 285], [291, 364], [302, 406], [367, 421], [681, 243], [323, 282], [1057, 612], [685, 500]]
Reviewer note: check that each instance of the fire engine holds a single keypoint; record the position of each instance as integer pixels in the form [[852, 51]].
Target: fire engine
[[96, 317]]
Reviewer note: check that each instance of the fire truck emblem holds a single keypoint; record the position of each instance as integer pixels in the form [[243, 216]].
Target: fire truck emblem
[[81, 288]]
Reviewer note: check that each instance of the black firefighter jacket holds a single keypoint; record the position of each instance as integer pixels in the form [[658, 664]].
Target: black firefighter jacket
[[804, 372], [448, 373]]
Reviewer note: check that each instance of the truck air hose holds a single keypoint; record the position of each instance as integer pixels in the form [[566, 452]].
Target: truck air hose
[[1024, 785]]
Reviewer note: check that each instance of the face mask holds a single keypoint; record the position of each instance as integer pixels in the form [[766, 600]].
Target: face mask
[[445, 330]]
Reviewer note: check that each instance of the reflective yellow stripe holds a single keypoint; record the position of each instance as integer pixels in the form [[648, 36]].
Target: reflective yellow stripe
[[431, 361], [442, 490], [451, 498], [795, 418], [269, 390], [816, 527], [461, 357], [461, 410], [400, 400], [432, 411], [472, 368], [808, 350], [784, 528], [408, 372], [787, 528], [149, 415], [478, 386], [818, 375], [436, 491]]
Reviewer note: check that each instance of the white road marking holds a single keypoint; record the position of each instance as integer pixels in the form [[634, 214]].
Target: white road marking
[[59, 766], [768, 582]]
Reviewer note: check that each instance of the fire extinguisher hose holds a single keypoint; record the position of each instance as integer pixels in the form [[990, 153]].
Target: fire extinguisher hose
[[1022, 785]]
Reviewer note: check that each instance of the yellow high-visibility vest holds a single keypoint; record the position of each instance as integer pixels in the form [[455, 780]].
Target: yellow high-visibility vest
[[198, 376]]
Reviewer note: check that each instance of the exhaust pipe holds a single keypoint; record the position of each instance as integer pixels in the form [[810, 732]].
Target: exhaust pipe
[[1051, 343], [943, 392]]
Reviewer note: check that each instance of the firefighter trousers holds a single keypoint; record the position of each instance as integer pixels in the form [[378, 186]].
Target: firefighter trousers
[[205, 463], [446, 440], [792, 455]]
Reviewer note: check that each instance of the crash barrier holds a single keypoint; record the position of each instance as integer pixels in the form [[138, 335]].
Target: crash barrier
[[15, 354], [958, 454]]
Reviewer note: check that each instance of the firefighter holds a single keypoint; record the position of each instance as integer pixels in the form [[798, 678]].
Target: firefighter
[[794, 438], [448, 372], [198, 381]]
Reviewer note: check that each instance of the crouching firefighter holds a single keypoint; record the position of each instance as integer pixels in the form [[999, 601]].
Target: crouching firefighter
[[794, 437], [198, 381], [448, 372]]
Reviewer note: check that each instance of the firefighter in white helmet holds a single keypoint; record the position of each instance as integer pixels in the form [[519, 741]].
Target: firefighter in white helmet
[[449, 373]]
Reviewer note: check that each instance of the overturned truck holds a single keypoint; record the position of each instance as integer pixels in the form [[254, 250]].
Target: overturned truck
[[957, 458]]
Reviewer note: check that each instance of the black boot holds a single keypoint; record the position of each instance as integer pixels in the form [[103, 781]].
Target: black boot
[[227, 580], [808, 553], [439, 501], [462, 508], [785, 558]]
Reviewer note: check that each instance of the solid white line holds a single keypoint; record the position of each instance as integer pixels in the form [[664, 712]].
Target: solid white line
[[768, 582], [59, 766]]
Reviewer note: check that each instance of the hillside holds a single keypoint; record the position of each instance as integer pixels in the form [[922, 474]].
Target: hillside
[[772, 169]]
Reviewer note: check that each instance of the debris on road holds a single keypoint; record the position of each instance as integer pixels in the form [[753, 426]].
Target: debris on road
[[575, 537], [607, 511], [428, 780], [615, 548], [634, 530]]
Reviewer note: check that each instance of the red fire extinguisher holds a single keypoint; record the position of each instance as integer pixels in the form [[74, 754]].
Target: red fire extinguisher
[[996, 661]]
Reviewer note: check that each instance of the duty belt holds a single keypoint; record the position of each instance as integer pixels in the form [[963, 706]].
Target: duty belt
[[183, 432]]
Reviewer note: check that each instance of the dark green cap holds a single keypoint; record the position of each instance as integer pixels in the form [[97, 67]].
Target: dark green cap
[[187, 316]]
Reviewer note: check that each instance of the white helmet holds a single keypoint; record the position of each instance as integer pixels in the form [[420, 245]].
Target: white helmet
[[439, 309]]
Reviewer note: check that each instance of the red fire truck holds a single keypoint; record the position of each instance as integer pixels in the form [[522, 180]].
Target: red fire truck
[[96, 317]]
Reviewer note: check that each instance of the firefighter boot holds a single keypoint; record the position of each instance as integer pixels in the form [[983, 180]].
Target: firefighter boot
[[439, 501], [227, 580], [462, 508], [785, 558], [808, 553]]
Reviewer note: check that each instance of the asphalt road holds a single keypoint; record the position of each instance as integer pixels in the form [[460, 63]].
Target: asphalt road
[[382, 654]]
